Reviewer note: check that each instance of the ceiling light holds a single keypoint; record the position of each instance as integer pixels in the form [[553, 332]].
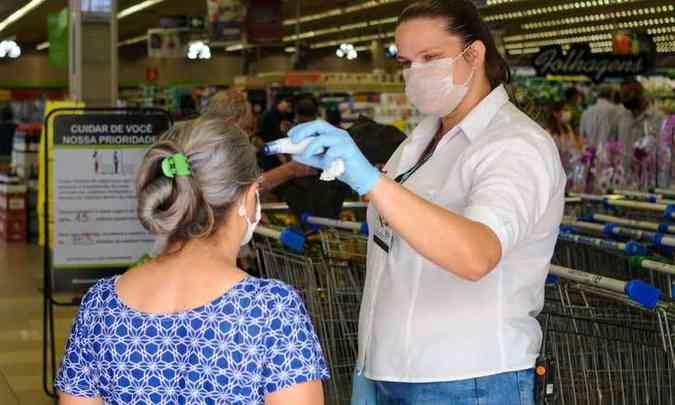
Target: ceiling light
[[19, 13], [360, 39], [289, 49], [42, 46], [235, 47], [137, 7], [339, 11], [9, 49], [199, 50], [132, 41]]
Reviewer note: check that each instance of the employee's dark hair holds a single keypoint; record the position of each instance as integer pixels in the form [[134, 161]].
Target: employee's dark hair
[[464, 20]]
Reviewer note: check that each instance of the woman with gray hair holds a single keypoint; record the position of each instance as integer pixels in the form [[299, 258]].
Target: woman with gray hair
[[189, 326]]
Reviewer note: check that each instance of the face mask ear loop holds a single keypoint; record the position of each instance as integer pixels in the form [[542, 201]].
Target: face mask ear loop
[[473, 69], [466, 83]]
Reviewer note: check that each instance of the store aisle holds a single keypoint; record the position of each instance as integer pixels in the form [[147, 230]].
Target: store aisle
[[21, 325]]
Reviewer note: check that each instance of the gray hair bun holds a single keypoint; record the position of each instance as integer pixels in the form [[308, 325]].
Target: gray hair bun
[[223, 164]]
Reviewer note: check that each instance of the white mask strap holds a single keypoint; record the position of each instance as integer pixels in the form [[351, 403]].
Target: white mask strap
[[242, 209]]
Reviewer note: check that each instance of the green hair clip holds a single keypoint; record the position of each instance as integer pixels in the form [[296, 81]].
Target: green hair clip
[[176, 165]]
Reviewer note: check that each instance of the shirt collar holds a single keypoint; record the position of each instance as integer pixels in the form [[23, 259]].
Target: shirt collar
[[474, 124]]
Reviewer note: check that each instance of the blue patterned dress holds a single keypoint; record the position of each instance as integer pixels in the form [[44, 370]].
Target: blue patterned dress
[[252, 341]]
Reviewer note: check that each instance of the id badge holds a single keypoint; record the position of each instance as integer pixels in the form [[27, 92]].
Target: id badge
[[383, 236]]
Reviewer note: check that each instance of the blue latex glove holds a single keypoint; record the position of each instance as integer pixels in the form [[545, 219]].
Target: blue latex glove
[[363, 390], [359, 174]]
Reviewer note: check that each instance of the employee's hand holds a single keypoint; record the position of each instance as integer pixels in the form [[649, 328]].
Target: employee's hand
[[359, 174]]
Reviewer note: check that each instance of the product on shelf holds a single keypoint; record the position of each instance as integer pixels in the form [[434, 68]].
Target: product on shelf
[[394, 109], [25, 150], [13, 209]]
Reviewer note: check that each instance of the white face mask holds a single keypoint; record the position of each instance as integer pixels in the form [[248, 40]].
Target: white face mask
[[250, 225], [430, 87]]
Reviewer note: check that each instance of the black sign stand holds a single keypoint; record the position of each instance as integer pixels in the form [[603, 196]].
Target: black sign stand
[[48, 337]]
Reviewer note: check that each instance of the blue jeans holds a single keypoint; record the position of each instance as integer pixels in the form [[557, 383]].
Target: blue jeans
[[516, 388]]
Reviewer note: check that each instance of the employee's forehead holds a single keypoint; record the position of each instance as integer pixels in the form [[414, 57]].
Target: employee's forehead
[[416, 37]]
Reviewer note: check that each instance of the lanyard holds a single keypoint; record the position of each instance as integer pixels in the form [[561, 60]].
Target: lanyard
[[428, 153], [383, 236]]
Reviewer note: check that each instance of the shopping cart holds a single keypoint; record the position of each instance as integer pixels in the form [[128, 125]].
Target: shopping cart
[[622, 260], [343, 245], [329, 275], [604, 342], [305, 273], [619, 205]]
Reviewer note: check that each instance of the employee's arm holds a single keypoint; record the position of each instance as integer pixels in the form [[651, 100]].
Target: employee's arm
[[463, 247], [510, 187]]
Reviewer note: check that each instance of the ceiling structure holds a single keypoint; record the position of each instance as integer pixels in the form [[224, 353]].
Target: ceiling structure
[[523, 25]]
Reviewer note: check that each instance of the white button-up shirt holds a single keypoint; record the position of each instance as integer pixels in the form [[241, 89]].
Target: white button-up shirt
[[420, 323], [599, 123]]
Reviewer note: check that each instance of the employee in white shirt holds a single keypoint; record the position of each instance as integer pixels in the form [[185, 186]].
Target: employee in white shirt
[[463, 224], [599, 123]]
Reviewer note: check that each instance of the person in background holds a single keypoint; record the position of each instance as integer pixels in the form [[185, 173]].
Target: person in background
[[463, 224], [306, 109], [233, 107], [640, 120], [574, 102], [188, 326], [568, 142], [7, 130], [272, 125], [599, 121], [377, 141], [334, 117]]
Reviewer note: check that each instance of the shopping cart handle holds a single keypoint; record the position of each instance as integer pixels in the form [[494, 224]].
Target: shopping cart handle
[[293, 240], [635, 249], [364, 228], [657, 239], [669, 211], [609, 230], [647, 295], [567, 229], [552, 279], [305, 220]]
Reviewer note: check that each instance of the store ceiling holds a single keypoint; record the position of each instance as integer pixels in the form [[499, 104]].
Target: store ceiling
[[524, 24]]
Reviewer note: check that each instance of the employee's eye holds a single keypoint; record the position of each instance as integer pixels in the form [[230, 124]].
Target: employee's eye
[[429, 58]]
